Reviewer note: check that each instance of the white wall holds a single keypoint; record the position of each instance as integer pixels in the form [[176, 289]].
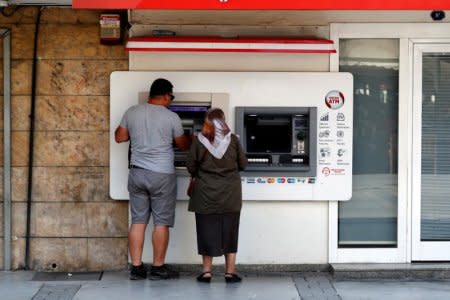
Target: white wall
[[173, 61], [271, 232], [274, 232]]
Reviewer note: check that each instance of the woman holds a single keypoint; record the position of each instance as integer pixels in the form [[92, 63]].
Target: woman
[[214, 160]]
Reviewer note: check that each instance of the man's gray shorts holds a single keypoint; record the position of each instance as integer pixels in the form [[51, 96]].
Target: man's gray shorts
[[152, 193]]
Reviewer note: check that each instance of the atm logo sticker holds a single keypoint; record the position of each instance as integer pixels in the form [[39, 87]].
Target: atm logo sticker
[[260, 180], [334, 99], [291, 180], [250, 180], [271, 180]]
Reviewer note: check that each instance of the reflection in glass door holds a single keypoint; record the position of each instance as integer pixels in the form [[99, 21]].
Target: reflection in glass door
[[431, 138], [369, 219]]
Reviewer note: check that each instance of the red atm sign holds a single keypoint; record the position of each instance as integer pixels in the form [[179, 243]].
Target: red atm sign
[[264, 4]]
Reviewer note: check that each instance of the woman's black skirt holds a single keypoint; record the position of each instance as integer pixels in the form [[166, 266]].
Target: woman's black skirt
[[217, 234]]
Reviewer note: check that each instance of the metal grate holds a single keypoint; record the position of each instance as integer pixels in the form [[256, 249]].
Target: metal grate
[[65, 276], [56, 292]]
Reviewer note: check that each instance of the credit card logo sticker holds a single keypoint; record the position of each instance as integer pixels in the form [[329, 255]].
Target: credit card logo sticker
[[260, 180], [281, 180], [291, 180]]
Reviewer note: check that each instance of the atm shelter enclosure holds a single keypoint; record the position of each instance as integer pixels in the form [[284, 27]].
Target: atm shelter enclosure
[[321, 120]]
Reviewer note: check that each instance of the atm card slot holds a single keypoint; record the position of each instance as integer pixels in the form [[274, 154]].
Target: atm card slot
[[292, 160]]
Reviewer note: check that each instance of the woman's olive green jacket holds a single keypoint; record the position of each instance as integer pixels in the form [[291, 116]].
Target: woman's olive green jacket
[[217, 186]]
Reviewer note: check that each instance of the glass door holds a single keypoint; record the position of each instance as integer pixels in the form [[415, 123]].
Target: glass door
[[369, 219], [431, 153], [371, 227]]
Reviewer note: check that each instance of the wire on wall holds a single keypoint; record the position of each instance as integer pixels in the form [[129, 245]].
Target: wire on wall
[[31, 142]]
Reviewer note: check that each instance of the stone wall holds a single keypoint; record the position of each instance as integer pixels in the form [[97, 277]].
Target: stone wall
[[75, 226]]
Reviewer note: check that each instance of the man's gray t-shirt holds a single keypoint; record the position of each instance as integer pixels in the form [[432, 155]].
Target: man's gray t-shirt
[[152, 129]]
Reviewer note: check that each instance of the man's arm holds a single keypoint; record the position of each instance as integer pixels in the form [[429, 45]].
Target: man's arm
[[183, 142], [121, 135]]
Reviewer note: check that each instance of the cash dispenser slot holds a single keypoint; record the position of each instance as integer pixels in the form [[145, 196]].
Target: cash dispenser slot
[[259, 159]]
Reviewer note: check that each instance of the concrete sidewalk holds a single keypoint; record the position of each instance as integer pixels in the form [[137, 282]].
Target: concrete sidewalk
[[115, 285]]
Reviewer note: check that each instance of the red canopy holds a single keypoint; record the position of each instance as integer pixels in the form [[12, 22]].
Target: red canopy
[[265, 4]]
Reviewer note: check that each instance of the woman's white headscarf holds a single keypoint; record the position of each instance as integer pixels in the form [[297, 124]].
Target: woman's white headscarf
[[221, 141]]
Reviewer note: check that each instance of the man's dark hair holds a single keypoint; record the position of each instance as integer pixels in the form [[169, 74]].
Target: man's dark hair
[[160, 87]]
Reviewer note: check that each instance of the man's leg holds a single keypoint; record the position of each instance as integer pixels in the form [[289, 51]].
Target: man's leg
[[163, 212], [136, 238], [140, 214], [160, 240]]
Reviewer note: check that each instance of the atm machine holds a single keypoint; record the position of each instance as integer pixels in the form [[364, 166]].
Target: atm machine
[[278, 140], [191, 108], [191, 116]]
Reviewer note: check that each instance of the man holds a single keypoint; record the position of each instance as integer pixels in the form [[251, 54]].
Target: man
[[151, 129]]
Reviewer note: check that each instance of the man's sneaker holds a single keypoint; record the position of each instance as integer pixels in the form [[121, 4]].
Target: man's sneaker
[[163, 272], [138, 273]]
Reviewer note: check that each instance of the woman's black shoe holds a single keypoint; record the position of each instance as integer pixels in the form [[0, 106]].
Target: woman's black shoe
[[203, 278], [232, 278]]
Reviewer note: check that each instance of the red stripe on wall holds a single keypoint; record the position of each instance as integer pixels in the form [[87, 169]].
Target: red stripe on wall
[[312, 51]]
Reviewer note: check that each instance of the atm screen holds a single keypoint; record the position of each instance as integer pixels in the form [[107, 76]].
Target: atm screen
[[188, 108], [192, 117], [268, 134]]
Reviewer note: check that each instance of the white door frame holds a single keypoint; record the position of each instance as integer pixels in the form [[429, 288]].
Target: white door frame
[[422, 251], [407, 35]]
